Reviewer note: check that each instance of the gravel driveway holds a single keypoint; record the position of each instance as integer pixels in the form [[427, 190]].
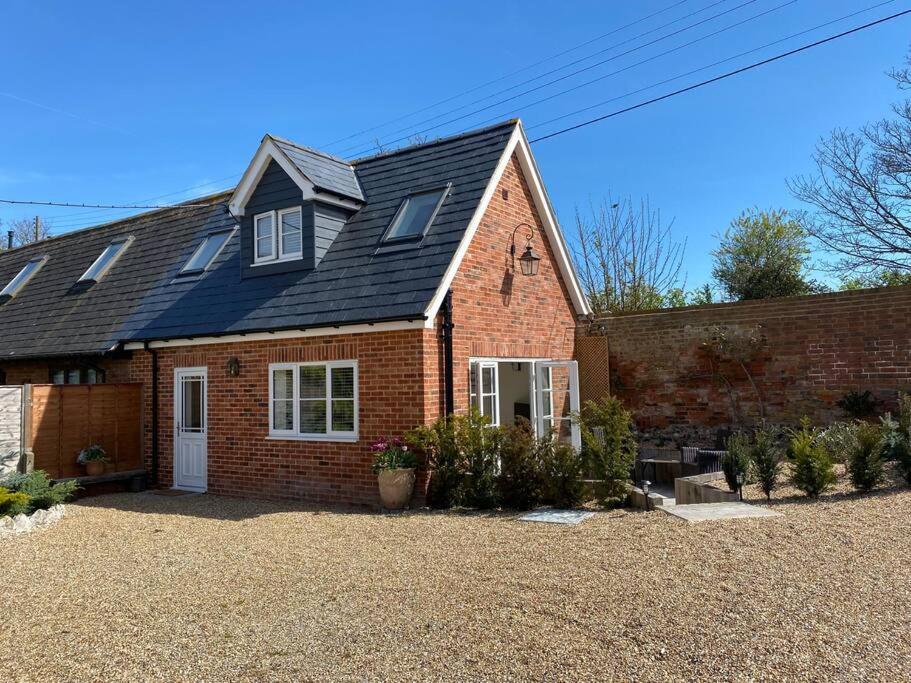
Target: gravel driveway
[[135, 587]]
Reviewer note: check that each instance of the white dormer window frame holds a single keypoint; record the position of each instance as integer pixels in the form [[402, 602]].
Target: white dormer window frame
[[278, 253]]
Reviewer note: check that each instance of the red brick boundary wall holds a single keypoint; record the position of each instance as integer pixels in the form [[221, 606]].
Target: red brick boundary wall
[[687, 372]]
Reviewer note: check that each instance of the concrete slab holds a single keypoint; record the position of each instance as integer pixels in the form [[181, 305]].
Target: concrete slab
[[557, 516], [706, 512]]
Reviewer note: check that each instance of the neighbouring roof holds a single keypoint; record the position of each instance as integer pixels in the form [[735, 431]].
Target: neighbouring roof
[[139, 299]]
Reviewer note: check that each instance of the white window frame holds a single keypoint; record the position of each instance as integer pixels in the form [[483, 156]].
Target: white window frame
[[272, 256], [9, 290], [477, 399], [186, 266], [294, 433], [282, 256], [124, 244]]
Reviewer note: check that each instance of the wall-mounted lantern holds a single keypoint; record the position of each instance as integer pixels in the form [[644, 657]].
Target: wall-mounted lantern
[[529, 260], [233, 366]]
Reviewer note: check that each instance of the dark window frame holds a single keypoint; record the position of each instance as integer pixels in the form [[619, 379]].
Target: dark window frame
[[445, 190], [100, 374]]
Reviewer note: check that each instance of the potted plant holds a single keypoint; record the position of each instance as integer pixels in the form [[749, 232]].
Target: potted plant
[[93, 458], [394, 465]]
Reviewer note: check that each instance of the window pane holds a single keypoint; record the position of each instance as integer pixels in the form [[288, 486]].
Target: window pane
[[414, 217], [283, 415], [91, 376], [487, 407], [59, 377], [313, 417], [22, 277], [342, 382], [487, 380], [203, 257], [72, 377], [264, 236], [192, 405], [291, 233], [283, 383], [313, 381], [343, 415]]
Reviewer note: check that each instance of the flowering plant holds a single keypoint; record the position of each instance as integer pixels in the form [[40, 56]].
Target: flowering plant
[[92, 453], [392, 454]]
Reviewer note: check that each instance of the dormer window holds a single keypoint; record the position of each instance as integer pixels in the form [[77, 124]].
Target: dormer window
[[207, 252], [415, 215], [278, 235], [106, 260], [22, 277]]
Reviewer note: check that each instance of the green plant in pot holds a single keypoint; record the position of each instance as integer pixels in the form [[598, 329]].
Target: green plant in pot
[[394, 465], [93, 458]]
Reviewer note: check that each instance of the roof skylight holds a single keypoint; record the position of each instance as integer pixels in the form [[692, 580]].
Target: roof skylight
[[416, 214], [106, 260], [207, 252], [27, 273]]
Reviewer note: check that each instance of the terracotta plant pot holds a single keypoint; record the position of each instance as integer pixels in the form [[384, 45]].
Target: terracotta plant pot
[[94, 467], [396, 487]]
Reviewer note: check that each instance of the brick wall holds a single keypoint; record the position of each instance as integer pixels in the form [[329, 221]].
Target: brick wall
[[498, 313], [808, 352]]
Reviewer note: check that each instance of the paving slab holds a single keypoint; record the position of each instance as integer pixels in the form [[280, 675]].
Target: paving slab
[[706, 512], [557, 516]]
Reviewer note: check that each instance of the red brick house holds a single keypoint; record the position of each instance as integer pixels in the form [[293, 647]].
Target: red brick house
[[279, 329]]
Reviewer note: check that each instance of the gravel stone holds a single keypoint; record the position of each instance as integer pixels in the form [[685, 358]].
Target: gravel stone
[[137, 587]]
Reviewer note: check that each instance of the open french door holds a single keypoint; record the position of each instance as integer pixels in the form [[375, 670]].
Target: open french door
[[556, 392]]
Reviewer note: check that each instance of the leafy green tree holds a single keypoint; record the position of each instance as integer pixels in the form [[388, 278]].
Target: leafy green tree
[[609, 448], [880, 278], [763, 254]]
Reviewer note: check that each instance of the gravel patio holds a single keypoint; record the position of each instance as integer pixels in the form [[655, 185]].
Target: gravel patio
[[134, 587]]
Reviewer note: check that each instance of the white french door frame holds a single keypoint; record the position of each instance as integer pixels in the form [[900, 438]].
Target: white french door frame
[[536, 367], [185, 440]]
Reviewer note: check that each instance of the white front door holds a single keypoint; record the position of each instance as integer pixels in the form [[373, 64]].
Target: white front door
[[190, 427], [557, 400]]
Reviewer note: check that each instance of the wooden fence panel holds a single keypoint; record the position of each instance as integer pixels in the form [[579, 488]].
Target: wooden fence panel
[[67, 418]]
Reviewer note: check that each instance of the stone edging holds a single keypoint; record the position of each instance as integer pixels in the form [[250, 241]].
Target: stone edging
[[22, 523]]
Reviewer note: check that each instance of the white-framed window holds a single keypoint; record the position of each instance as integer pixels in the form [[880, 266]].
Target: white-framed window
[[278, 235], [106, 259], [23, 276], [264, 247], [484, 390], [547, 399], [290, 237], [315, 401], [207, 251]]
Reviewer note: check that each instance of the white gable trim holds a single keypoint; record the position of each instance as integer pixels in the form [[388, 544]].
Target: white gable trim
[[360, 328], [268, 151], [517, 144]]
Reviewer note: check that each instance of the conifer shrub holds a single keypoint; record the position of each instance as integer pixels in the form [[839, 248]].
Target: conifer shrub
[[812, 470], [866, 463], [765, 457], [608, 448], [736, 459]]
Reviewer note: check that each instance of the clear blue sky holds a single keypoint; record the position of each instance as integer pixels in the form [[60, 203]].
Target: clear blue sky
[[119, 103]]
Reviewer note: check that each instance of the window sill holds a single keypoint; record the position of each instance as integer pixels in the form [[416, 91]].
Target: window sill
[[314, 438], [273, 261]]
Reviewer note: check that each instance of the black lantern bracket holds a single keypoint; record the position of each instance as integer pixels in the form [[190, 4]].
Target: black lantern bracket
[[529, 260]]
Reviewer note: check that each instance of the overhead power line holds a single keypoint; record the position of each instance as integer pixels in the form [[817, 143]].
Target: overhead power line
[[729, 74], [547, 84], [499, 79], [107, 206], [501, 115]]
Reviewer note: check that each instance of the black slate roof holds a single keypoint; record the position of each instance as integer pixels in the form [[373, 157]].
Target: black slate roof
[[142, 299], [325, 171]]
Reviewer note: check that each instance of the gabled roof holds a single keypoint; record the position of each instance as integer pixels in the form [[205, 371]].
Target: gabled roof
[[325, 171], [140, 299]]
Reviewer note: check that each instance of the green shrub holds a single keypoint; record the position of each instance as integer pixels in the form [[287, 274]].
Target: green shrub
[[813, 471], [765, 457], [840, 439], [736, 460], [12, 502], [608, 448], [866, 464], [462, 454], [563, 468], [858, 403], [42, 494], [903, 461], [521, 481]]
